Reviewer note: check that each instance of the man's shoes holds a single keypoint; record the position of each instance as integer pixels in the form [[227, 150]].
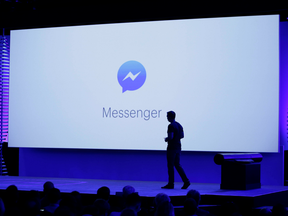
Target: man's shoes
[[186, 185], [168, 186]]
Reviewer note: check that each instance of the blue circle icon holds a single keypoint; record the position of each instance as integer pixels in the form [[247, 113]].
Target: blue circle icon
[[131, 76]]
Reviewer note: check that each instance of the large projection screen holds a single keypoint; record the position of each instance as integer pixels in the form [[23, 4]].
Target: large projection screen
[[109, 86]]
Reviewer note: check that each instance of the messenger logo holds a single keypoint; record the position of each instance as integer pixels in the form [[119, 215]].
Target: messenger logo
[[131, 76]]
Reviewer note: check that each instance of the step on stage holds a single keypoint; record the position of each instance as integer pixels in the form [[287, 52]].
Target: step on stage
[[211, 194]]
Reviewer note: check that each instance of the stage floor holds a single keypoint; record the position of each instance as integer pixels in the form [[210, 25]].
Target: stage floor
[[144, 188]]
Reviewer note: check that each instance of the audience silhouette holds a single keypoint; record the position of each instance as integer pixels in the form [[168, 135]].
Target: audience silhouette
[[54, 197], [165, 209], [194, 194], [2, 207], [46, 189], [190, 207], [53, 203], [103, 193], [102, 207]]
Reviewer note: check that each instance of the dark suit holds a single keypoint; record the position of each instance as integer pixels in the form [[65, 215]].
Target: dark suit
[[174, 151]]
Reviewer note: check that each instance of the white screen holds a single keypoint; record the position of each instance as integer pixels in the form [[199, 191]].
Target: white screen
[[220, 76]]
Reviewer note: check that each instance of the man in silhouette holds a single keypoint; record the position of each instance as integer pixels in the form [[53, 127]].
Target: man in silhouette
[[175, 134]]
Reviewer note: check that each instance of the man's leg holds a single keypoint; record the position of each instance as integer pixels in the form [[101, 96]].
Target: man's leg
[[181, 171], [170, 165]]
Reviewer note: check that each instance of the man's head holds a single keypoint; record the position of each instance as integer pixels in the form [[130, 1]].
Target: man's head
[[160, 198], [12, 194], [128, 190], [171, 116], [103, 193], [47, 187], [194, 194]]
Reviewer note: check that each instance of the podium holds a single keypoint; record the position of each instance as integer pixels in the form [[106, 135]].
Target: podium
[[239, 171]]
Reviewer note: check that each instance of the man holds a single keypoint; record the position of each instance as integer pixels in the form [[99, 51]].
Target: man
[[175, 134]]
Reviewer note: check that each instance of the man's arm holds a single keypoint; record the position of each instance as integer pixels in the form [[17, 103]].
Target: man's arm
[[182, 134], [170, 136]]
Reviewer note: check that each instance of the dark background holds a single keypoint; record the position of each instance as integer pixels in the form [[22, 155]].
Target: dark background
[[44, 13]]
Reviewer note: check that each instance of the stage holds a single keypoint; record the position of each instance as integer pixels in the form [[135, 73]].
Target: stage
[[211, 194]]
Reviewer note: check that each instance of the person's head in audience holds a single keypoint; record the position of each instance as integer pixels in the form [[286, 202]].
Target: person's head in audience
[[103, 193], [194, 194], [102, 207], [128, 190], [47, 187], [133, 201], [2, 207], [160, 198], [54, 195], [265, 211], [128, 212], [77, 196], [190, 206], [165, 209], [11, 196], [279, 210]]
